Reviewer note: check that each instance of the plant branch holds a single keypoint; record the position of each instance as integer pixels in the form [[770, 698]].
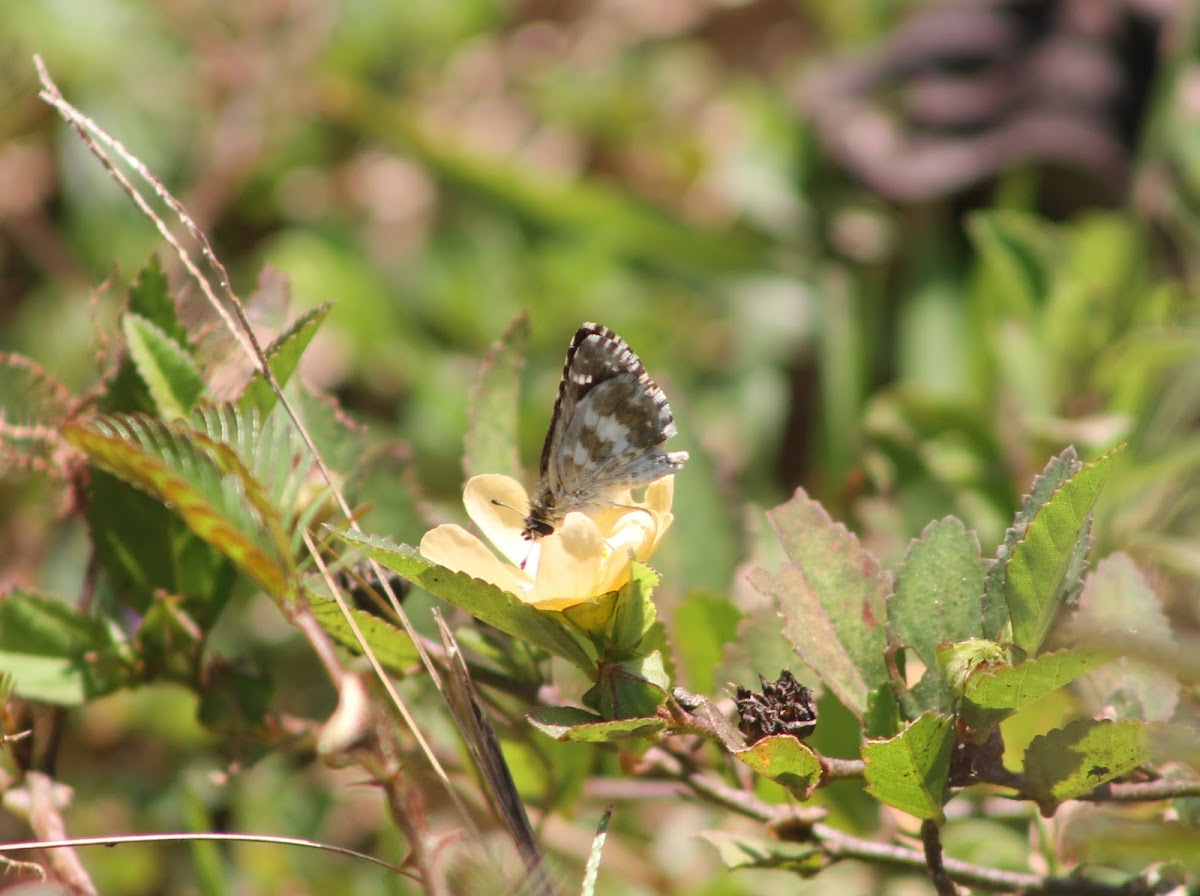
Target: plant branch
[[839, 845], [931, 840], [41, 801]]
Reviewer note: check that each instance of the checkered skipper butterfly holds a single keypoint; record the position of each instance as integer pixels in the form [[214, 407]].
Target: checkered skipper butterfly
[[606, 433]]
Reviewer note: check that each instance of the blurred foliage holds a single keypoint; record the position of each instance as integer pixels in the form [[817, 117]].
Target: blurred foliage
[[750, 206]]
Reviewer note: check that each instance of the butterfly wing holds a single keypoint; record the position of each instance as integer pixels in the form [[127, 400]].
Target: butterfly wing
[[608, 423]]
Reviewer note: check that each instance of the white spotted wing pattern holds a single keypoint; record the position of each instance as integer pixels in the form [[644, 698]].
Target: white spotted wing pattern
[[606, 434]]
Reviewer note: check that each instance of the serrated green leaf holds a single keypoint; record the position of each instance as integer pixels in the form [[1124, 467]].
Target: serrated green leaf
[[939, 590], [832, 597], [1069, 762], [995, 608], [568, 724], [270, 455], [199, 480], [166, 368], [629, 689], [993, 693], [485, 602], [618, 622], [149, 299], [745, 851], [911, 771], [786, 761], [491, 440], [1035, 582], [391, 645], [283, 356], [49, 650]]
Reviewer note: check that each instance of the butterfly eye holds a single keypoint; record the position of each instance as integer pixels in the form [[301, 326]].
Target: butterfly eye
[[542, 528]]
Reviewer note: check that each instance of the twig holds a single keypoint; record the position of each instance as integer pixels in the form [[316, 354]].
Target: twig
[[839, 845], [931, 840], [189, 836], [41, 800]]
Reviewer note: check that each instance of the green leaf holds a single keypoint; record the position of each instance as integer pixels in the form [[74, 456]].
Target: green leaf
[[283, 356], [201, 479], [832, 596], [1036, 579], [1016, 255], [485, 602], [1069, 762], [700, 628], [53, 653], [993, 693], [745, 851], [568, 724], [630, 689], [939, 591], [911, 770], [786, 761], [995, 608], [149, 299], [618, 622], [271, 457], [166, 368], [392, 646], [491, 440]]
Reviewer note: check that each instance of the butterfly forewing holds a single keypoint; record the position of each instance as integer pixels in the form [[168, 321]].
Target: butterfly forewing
[[609, 422]]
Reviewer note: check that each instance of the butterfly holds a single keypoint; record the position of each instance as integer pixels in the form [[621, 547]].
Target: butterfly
[[606, 434]]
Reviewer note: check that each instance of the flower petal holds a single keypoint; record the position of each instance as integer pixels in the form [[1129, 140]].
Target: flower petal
[[455, 548], [501, 522], [570, 564]]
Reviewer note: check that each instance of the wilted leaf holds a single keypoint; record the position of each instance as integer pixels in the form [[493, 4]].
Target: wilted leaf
[[832, 596]]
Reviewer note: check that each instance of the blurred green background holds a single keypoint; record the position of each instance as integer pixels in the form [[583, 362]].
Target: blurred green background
[[897, 253]]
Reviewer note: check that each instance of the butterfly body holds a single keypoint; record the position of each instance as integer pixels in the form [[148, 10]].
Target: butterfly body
[[606, 434]]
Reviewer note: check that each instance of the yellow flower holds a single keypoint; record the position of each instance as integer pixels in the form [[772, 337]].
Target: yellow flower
[[588, 555]]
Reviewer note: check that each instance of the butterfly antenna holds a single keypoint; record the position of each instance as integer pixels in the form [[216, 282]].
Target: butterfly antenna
[[500, 503]]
